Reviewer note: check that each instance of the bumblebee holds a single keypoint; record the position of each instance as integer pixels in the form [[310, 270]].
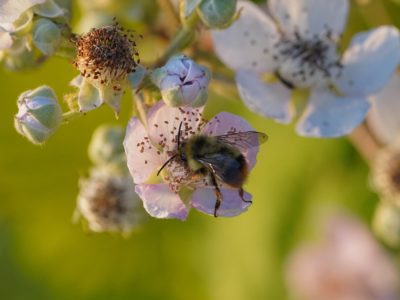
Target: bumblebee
[[218, 157]]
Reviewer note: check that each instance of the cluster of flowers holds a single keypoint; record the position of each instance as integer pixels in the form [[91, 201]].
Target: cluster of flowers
[[171, 159], [294, 45]]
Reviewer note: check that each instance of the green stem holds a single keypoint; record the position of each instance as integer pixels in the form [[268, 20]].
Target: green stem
[[181, 39], [71, 115], [172, 19]]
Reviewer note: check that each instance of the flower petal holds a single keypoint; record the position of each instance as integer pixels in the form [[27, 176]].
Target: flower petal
[[203, 199], [143, 159], [88, 97], [328, 115], [10, 10], [370, 61], [224, 123], [160, 202], [383, 118], [268, 100], [248, 42], [164, 121], [310, 17]]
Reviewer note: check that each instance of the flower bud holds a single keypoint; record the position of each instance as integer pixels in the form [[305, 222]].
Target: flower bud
[[217, 13], [182, 82], [39, 114], [46, 36], [386, 223], [106, 145], [109, 203]]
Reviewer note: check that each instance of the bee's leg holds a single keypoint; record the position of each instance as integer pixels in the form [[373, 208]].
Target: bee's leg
[[217, 193], [241, 194]]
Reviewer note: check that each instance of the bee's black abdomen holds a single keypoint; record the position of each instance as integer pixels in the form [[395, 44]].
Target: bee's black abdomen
[[235, 171]]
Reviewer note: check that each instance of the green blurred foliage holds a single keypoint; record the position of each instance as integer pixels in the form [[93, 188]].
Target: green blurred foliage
[[44, 256]]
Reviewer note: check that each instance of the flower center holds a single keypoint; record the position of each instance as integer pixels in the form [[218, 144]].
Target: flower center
[[106, 55], [307, 62]]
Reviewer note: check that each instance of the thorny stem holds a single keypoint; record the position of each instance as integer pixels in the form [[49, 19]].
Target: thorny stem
[[365, 142]]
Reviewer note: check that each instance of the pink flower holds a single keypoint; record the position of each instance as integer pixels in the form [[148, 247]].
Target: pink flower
[[147, 149], [348, 265]]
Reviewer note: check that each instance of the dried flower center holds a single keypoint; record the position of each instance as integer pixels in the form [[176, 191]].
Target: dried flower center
[[106, 55], [307, 62], [387, 173]]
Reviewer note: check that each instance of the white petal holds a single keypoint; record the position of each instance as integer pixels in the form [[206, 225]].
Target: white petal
[[268, 100], [5, 40], [164, 121], [10, 10], [370, 61], [88, 97], [143, 159], [310, 17], [328, 115], [384, 118], [249, 42], [160, 202]]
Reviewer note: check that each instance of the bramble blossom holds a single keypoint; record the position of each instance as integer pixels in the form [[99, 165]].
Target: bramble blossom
[[297, 41], [105, 57], [348, 264], [147, 149]]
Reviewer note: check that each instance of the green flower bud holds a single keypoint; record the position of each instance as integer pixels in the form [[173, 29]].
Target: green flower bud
[[217, 13], [386, 223], [46, 36], [182, 82], [106, 145], [39, 114]]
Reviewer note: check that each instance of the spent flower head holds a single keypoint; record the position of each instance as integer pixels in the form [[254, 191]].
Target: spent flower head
[[105, 58], [182, 82], [108, 202], [297, 41], [39, 114], [386, 173], [347, 264], [180, 188]]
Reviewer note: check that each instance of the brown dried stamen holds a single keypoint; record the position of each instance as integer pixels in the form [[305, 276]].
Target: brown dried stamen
[[106, 55]]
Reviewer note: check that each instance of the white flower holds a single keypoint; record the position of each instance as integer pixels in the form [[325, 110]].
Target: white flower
[[16, 17], [298, 43]]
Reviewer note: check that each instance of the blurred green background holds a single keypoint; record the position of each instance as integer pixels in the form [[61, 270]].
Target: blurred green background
[[44, 256]]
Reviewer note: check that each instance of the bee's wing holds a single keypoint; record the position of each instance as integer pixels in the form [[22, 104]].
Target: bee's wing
[[244, 140], [225, 167]]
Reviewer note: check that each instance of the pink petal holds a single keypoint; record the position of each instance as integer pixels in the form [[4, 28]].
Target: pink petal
[[143, 158], [160, 202], [163, 122], [203, 199], [224, 123]]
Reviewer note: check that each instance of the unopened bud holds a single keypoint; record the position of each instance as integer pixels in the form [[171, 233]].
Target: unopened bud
[[217, 13], [182, 82], [46, 36], [39, 114], [386, 223], [106, 145]]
